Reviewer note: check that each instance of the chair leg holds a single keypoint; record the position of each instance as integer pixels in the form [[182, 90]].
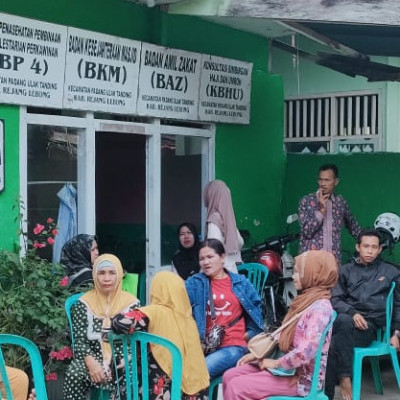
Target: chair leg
[[395, 363], [376, 373], [357, 373]]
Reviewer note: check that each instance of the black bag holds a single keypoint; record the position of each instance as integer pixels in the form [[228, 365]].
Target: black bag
[[214, 338]]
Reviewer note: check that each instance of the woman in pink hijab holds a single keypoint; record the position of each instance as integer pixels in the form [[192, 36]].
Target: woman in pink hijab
[[221, 222]]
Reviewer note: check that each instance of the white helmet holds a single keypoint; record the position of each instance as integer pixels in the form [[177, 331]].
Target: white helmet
[[389, 223]]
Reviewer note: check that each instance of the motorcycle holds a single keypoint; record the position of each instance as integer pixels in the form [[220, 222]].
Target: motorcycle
[[279, 290]]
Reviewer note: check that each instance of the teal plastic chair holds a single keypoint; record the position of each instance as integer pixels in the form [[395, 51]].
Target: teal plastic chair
[[96, 394], [379, 347], [36, 364], [257, 274], [136, 347], [213, 385], [315, 393]]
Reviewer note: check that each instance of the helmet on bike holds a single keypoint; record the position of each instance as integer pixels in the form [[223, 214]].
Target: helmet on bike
[[388, 223], [272, 261]]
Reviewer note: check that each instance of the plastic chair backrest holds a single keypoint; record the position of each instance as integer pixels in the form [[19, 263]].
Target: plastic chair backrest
[[136, 347], [385, 337], [257, 274], [73, 299], [314, 392], [130, 283], [36, 364]]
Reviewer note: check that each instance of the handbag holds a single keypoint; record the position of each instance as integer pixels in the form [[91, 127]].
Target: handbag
[[214, 338], [264, 344]]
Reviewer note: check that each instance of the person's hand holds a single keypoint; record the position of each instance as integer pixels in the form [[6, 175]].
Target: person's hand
[[322, 199], [121, 324], [395, 342], [247, 358], [360, 322], [96, 372], [32, 395], [267, 363]]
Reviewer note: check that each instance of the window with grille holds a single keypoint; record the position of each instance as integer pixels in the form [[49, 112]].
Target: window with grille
[[334, 123]]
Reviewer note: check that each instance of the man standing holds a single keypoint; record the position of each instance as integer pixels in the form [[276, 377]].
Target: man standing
[[322, 215], [359, 298]]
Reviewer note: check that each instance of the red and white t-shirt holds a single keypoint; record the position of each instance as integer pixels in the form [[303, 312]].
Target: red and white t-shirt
[[227, 308]]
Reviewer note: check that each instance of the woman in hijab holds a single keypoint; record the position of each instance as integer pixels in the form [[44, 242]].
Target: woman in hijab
[[221, 222], [78, 256], [91, 320], [316, 273], [186, 260], [169, 315]]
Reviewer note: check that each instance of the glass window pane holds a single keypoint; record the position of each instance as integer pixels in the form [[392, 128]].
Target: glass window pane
[[182, 161]]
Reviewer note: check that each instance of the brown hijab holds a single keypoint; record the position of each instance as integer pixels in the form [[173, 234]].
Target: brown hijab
[[217, 199], [318, 273]]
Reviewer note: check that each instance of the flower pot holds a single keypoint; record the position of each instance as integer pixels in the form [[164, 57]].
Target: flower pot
[[55, 387]]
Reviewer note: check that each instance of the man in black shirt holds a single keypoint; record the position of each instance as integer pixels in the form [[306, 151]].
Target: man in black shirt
[[359, 298]]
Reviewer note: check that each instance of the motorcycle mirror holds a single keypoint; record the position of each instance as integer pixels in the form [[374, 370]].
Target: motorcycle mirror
[[292, 218]]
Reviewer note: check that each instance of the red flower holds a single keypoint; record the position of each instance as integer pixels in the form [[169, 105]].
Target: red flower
[[64, 282], [38, 229], [39, 245], [51, 377], [54, 232], [63, 354], [50, 240], [50, 220]]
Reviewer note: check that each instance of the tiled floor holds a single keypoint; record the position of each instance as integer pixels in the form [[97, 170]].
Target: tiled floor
[[390, 388]]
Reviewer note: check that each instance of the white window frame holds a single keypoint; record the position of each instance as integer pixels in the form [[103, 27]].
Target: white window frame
[[153, 129]]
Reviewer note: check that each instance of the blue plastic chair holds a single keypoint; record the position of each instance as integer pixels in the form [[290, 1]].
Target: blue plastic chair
[[96, 393], [36, 364], [379, 347], [136, 347], [315, 393], [257, 274], [213, 385]]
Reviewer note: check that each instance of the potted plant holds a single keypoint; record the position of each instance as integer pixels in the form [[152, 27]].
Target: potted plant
[[32, 296]]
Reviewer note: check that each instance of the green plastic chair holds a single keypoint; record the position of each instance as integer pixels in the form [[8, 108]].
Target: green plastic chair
[[95, 393], [379, 347], [257, 274], [315, 393], [36, 364], [213, 385], [136, 347]]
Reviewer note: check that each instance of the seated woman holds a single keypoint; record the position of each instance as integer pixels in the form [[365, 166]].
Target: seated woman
[[91, 319], [186, 260], [78, 256], [316, 272], [169, 315], [19, 383], [236, 303]]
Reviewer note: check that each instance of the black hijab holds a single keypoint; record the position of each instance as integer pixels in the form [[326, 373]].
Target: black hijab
[[75, 256], [186, 261]]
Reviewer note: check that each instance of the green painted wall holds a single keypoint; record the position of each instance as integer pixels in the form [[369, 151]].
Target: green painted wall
[[9, 222], [249, 158], [369, 182]]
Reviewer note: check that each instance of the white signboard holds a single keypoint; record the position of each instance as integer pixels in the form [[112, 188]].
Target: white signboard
[[1, 155], [32, 57], [101, 72], [225, 90], [169, 82]]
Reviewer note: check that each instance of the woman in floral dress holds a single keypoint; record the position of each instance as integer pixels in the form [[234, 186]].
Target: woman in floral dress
[[169, 315]]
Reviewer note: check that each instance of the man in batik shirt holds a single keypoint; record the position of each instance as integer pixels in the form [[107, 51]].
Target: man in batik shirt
[[322, 215]]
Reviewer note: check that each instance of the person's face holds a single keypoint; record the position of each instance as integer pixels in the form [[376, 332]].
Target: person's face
[[107, 280], [368, 249], [327, 182], [211, 263], [296, 280], [186, 237], [94, 252]]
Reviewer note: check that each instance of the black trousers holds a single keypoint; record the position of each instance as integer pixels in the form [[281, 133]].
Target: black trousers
[[345, 336]]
